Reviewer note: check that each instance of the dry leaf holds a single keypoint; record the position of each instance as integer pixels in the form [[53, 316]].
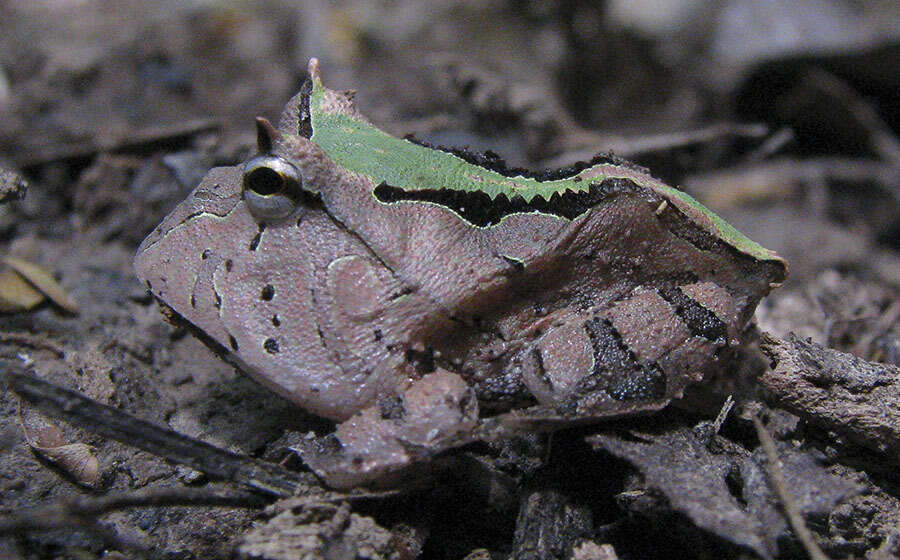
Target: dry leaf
[[16, 294], [46, 439], [44, 282]]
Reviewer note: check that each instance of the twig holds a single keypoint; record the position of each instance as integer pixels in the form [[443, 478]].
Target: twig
[[723, 414], [139, 141], [631, 147], [776, 481], [880, 135], [109, 422], [81, 511], [32, 341], [881, 326]]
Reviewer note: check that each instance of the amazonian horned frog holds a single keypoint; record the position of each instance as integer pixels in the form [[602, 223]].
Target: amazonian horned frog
[[408, 293]]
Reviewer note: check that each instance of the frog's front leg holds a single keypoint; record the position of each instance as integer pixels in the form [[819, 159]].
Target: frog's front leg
[[432, 413]]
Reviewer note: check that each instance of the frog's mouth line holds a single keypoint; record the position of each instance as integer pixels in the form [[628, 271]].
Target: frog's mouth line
[[162, 232]]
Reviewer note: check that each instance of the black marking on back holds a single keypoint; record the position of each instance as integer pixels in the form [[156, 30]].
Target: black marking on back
[[626, 378], [700, 321], [304, 122], [480, 210]]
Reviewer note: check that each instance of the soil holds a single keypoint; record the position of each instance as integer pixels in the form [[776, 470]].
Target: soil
[[112, 112]]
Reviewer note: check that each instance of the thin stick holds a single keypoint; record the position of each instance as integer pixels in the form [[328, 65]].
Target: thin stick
[[112, 423], [776, 481], [81, 511]]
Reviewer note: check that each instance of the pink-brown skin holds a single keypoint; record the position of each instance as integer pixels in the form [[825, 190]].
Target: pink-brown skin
[[410, 326]]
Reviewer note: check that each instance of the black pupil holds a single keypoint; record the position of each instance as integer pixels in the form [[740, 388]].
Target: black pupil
[[264, 181]]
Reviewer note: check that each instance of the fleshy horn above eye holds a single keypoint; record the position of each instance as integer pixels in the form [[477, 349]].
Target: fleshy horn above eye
[[271, 185]]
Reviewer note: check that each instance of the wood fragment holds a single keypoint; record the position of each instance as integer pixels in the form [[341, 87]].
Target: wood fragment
[[836, 391], [723, 414]]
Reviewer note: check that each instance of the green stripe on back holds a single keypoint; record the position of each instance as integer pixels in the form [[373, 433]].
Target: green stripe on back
[[360, 147]]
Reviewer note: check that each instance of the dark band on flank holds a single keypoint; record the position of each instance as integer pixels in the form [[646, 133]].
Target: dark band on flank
[[625, 377], [481, 210], [700, 321]]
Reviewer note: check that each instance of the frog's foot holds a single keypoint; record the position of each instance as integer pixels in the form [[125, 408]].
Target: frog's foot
[[434, 413]]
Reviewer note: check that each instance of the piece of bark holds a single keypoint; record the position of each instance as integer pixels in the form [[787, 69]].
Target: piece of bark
[[549, 526], [300, 528], [837, 391]]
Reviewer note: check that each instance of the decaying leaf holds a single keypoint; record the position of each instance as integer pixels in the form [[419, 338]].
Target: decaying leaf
[[300, 528], [16, 294], [837, 391], [44, 282], [46, 439], [728, 493]]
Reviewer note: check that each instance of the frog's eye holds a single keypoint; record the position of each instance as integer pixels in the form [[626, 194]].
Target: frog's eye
[[270, 186]]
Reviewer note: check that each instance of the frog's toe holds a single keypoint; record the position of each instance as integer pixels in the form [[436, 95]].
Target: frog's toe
[[433, 413]]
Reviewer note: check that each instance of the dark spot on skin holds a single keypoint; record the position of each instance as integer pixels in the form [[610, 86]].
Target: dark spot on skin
[[700, 321], [538, 358], [357, 460], [233, 342], [391, 407], [271, 346], [268, 292], [423, 362], [299, 221], [378, 335], [193, 301], [405, 291], [254, 243], [205, 254], [276, 322], [481, 210], [616, 369], [229, 264]]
